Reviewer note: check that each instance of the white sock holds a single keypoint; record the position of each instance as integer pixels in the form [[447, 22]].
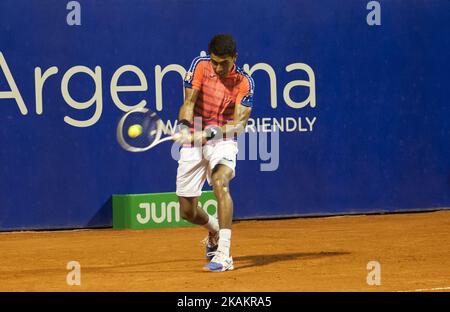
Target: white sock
[[224, 241], [212, 225]]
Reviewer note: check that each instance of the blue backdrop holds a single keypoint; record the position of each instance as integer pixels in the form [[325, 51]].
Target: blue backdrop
[[380, 141]]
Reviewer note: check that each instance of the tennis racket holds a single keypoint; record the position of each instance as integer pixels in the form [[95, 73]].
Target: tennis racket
[[149, 130]]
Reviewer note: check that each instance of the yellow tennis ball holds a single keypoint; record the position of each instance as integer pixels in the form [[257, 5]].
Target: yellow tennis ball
[[134, 131]]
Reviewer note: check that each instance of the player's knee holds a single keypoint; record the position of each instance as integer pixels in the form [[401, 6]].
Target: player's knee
[[187, 214], [220, 183]]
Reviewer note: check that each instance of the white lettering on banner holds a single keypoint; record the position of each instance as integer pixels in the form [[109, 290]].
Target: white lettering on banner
[[250, 125], [272, 78], [14, 93], [39, 81], [170, 127], [301, 129], [278, 124], [162, 217], [114, 88], [311, 84], [291, 121], [172, 208], [95, 99], [311, 122], [169, 212], [283, 124], [150, 212], [144, 219], [264, 124]]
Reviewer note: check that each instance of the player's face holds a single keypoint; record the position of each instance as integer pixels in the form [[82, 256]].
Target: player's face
[[222, 65]]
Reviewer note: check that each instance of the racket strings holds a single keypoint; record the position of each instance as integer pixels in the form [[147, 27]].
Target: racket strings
[[149, 126]]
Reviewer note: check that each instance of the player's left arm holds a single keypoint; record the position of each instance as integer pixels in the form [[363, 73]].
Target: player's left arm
[[233, 128], [239, 122]]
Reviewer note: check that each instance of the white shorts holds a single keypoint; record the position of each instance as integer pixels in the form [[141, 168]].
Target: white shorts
[[197, 163]]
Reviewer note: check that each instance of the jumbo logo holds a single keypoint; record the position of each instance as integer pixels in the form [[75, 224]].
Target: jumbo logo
[[169, 212]]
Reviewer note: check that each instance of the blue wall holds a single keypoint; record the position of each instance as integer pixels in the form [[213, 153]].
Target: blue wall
[[380, 142]]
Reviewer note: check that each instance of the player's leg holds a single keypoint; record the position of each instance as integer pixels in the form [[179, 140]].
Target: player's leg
[[190, 211], [221, 178], [223, 161], [191, 176]]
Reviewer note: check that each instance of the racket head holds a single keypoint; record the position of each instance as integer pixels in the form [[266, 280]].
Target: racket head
[[152, 129]]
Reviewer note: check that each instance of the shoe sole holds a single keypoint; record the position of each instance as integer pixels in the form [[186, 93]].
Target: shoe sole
[[228, 268]]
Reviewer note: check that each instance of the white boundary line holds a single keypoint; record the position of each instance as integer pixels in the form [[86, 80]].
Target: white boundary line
[[426, 289]]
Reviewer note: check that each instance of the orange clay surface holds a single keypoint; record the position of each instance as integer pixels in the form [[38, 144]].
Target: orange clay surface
[[303, 254]]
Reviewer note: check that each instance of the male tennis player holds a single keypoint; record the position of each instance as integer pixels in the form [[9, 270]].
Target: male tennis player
[[220, 95]]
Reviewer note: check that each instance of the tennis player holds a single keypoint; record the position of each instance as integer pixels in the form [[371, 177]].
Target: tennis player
[[220, 96]]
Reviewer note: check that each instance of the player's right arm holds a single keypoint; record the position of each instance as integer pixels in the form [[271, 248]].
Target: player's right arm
[[186, 116], [187, 109], [192, 86]]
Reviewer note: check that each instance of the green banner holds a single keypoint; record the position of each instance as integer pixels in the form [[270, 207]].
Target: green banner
[[159, 210]]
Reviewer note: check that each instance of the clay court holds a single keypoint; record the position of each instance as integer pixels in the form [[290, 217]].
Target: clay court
[[294, 255]]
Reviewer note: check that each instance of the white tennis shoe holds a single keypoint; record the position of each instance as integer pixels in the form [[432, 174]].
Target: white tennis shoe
[[219, 263]]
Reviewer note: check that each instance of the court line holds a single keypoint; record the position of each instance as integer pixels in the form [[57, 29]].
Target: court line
[[426, 289]]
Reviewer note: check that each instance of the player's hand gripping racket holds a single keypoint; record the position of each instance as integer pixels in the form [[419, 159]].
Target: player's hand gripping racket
[[141, 129]]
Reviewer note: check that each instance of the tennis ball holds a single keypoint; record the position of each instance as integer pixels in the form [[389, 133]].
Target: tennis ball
[[134, 131]]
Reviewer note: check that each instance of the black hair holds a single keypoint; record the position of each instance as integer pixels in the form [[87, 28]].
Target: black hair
[[222, 45]]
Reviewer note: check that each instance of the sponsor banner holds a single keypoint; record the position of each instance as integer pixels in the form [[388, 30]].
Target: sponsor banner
[[160, 210]]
